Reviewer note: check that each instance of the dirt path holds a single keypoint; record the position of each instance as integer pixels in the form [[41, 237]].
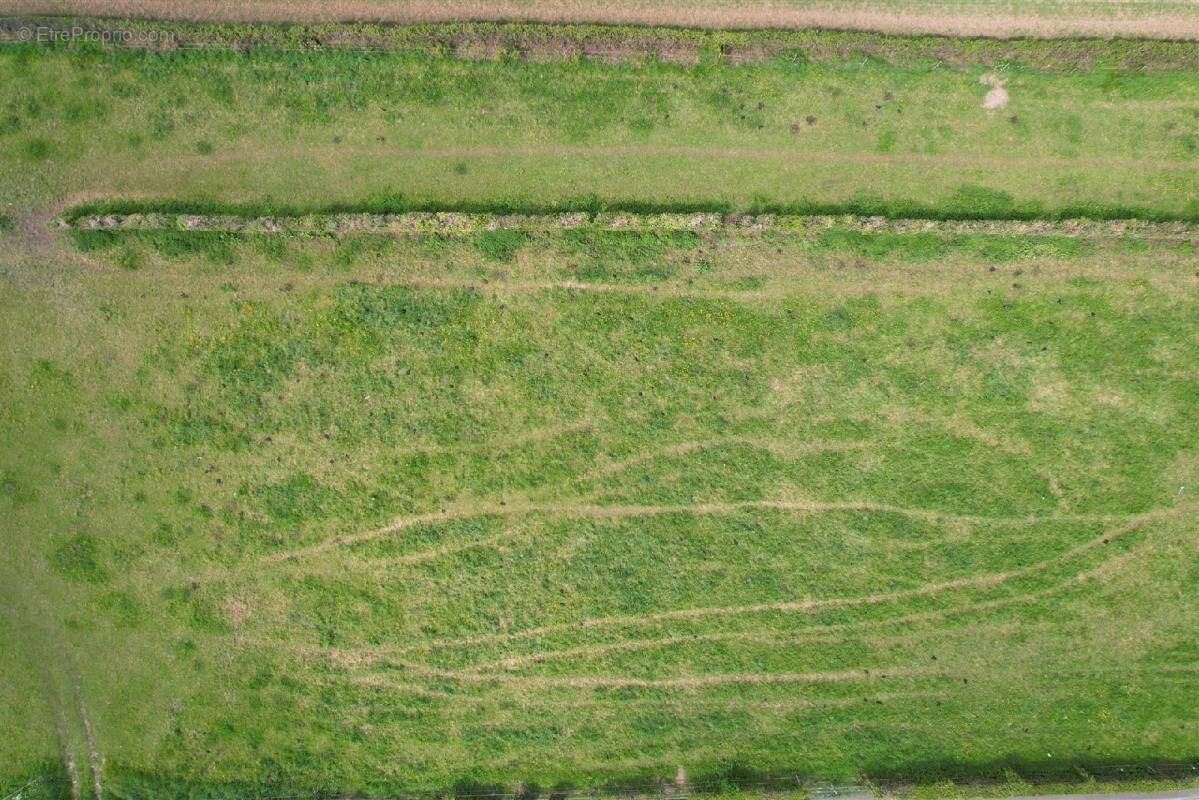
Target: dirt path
[[1125, 18]]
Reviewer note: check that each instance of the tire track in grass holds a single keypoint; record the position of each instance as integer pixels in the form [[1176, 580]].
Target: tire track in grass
[[681, 448], [387, 680], [472, 676], [94, 758], [808, 605], [598, 511], [68, 758], [352, 657], [609, 469], [776, 638], [679, 682], [705, 152]]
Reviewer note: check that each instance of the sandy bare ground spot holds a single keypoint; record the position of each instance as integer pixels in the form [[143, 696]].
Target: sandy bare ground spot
[[998, 97]]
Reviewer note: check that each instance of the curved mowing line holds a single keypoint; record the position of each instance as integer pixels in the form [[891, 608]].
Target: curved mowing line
[[776, 638], [803, 606], [774, 446], [805, 634], [800, 634], [466, 674], [682, 448], [594, 511]]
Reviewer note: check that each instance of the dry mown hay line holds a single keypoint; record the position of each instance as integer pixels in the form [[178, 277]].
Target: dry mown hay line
[[681, 448], [1125, 19]]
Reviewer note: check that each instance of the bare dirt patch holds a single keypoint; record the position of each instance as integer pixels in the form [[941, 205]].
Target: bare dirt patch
[[998, 97]]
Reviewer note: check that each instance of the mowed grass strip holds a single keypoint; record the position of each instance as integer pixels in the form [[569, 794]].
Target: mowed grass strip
[[337, 128], [581, 506]]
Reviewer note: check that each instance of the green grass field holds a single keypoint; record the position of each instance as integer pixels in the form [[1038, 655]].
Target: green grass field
[[535, 510]]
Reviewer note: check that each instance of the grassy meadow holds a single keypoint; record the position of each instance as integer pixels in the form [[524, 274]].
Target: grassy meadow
[[533, 511], [342, 126]]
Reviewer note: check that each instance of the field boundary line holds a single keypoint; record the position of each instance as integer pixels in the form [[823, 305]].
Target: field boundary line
[[453, 222], [766, 25]]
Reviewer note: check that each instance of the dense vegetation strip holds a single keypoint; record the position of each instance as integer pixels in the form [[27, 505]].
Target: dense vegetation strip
[[540, 41], [449, 222]]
